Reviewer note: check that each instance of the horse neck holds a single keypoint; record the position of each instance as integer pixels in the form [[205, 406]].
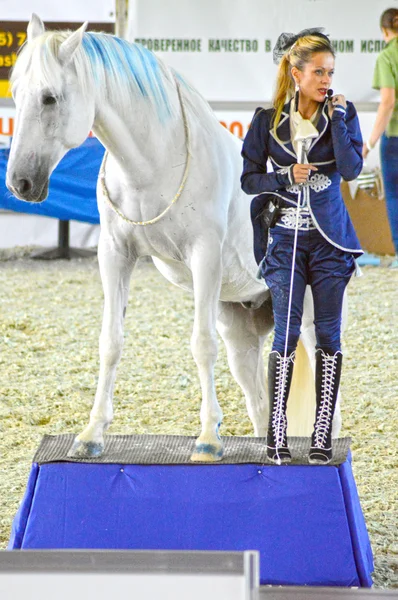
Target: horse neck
[[140, 144]]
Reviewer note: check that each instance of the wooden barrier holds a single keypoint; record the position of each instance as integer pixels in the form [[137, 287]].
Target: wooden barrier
[[369, 216]]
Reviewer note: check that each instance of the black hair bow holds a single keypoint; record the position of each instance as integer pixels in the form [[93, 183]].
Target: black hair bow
[[286, 41]]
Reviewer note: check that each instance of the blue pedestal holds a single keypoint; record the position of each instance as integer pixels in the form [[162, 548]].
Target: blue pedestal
[[305, 521]]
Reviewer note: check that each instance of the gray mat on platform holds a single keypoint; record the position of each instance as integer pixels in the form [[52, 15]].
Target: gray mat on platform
[[177, 449]]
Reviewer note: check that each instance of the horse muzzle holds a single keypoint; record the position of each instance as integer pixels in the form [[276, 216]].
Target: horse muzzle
[[26, 189]]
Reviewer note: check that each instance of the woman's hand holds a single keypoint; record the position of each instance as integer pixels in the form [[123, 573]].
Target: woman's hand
[[301, 173], [338, 99], [365, 151]]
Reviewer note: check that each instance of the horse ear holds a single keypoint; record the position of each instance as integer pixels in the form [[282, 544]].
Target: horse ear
[[71, 44], [35, 28]]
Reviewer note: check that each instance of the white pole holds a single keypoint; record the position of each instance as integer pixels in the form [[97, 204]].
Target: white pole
[[310, 132], [304, 134], [121, 18], [302, 147]]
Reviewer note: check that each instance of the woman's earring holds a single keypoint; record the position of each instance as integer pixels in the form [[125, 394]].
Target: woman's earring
[[296, 97]]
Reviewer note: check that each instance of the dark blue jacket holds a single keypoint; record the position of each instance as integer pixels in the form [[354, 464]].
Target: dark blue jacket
[[337, 152]]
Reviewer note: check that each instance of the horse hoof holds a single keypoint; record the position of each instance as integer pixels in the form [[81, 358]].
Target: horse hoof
[[85, 449], [207, 453]]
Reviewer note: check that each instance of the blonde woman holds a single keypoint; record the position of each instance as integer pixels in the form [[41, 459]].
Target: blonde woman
[[326, 240]]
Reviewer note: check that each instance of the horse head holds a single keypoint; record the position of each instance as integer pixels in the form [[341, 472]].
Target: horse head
[[53, 112]]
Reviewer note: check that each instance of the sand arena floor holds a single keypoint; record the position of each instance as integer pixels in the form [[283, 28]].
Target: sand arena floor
[[50, 321]]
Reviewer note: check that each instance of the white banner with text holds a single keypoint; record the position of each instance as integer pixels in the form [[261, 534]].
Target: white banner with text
[[224, 47]]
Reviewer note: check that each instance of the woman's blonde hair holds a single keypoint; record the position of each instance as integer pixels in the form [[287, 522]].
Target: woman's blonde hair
[[297, 56]]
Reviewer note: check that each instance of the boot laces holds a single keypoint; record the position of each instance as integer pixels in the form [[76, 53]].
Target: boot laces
[[279, 419], [323, 421]]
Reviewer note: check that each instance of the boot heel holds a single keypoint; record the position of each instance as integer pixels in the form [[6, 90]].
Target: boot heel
[[320, 457], [279, 455]]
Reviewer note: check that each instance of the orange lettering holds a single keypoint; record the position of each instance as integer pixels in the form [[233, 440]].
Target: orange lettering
[[10, 127], [236, 125]]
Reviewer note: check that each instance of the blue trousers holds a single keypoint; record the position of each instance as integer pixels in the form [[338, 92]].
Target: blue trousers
[[318, 264], [389, 167]]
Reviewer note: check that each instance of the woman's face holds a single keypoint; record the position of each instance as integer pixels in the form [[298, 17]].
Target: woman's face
[[316, 77]]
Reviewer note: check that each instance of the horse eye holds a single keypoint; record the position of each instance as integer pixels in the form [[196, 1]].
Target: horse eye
[[49, 100]]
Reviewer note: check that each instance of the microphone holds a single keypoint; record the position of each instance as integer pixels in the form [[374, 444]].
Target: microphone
[[296, 100], [329, 94]]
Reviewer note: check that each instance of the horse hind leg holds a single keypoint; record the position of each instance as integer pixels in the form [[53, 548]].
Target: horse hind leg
[[115, 271], [302, 405], [243, 332]]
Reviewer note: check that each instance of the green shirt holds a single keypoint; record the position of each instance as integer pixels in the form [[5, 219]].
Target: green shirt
[[386, 76]]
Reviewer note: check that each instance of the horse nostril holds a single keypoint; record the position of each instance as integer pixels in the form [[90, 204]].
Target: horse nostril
[[23, 186]]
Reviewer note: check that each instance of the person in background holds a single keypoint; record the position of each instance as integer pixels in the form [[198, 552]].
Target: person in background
[[326, 243], [385, 79]]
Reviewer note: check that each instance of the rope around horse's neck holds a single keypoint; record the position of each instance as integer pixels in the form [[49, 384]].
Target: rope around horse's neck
[[183, 181]]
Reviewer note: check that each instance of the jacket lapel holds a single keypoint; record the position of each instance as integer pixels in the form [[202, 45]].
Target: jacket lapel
[[321, 126], [283, 131]]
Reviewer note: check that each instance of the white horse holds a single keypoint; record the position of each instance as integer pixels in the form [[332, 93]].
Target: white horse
[[169, 189]]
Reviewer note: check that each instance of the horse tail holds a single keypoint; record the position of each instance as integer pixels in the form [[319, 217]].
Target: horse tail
[[301, 404]]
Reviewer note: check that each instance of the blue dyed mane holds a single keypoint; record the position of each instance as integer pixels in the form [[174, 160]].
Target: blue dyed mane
[[107, 67], [130, 66]]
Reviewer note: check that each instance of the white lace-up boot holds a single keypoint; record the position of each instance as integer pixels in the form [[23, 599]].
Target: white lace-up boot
[[280, 371], [327, 381]]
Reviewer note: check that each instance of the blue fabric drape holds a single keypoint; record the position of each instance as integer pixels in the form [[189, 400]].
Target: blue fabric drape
[[72, 194]]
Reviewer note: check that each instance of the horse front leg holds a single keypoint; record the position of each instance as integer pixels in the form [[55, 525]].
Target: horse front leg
[[115, 270], [206, 274]]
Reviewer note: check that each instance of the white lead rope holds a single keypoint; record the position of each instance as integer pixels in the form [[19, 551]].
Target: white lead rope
[[292, 275], [303, 157], [305, 132], [311, 133], [284, 365], [284, 362], [183, 181]]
